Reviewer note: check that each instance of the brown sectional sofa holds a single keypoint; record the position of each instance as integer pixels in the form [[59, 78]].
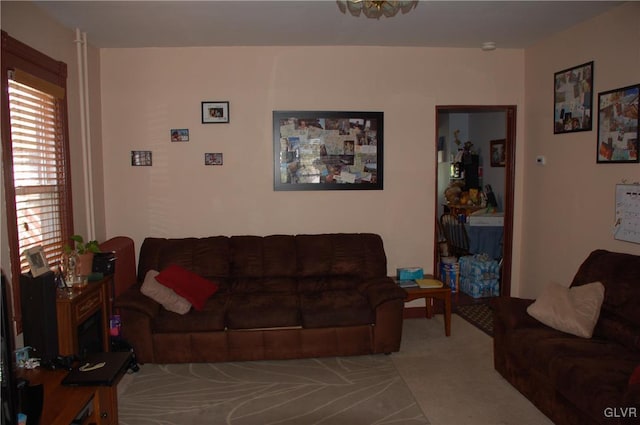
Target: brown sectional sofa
[[279, 297], [574, 380]]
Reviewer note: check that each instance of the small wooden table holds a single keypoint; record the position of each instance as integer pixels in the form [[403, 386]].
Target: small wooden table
[[429, 294], [63, 404]]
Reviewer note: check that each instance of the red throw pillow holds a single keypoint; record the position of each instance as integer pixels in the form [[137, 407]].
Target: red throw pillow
[[188, 285]]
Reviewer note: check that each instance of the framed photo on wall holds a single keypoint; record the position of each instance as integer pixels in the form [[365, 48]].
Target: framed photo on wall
[[618, 125], [498, 153], [215, 112], [328, 150], [141, 158], [37, 260], [213, 158], [179, 134], [573, 98]]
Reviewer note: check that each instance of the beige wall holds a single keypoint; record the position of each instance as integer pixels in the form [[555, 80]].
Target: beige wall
[[146, 92], [563, 210], [569, 203], [27, 23]]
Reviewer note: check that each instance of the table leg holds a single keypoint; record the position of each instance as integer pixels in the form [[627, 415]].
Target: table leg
[[428, 304], [447, 314]]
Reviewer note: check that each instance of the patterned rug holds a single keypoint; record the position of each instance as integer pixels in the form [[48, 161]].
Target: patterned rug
[[337, 390], [479, 315]]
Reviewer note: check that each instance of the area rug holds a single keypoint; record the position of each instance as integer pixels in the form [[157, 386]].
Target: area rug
[[479, 315], [328, 391]]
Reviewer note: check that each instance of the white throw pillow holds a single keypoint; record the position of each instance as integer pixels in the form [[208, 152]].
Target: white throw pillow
[[163, 295], [572, 310]]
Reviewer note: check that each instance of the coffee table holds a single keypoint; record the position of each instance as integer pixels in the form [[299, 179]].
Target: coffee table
[[430, 294]]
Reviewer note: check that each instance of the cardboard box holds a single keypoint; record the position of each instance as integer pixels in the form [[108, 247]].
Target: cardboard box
[[410, 273]]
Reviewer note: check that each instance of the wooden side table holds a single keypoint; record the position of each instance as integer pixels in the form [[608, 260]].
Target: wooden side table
[[430, 294], [63, 405], [75, 307]]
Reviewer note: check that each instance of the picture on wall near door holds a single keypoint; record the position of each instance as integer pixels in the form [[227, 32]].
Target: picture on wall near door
[[618, 125], [498, 153], [573, 98]]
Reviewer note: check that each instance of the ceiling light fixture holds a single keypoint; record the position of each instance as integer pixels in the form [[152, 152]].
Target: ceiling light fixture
[[488, 46], [375, 9]]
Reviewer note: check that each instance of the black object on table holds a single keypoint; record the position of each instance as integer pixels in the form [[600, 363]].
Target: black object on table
[[115, 364]]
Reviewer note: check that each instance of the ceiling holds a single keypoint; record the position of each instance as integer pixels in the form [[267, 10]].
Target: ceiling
[[510, 24]]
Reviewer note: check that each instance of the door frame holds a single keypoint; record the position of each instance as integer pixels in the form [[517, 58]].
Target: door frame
[[510, 167]]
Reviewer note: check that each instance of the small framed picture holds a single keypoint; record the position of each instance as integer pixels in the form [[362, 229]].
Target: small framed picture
[[618, 131], [498, 153], [214, 112], [37, 261], [179, 134], [141, 158], [212, 159]]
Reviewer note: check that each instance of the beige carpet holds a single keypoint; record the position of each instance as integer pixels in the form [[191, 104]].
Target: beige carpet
[[357, 390], [450, 381], [453, 378]]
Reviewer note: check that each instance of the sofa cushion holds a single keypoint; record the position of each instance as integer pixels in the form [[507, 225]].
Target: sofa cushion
[[592, 376], [341, 254], [285, 285], [187, 284], [268, 256], [210, 318], [572, 310], [327, 283], [262, 310], [163, 295], [208, 257], [335, 308]]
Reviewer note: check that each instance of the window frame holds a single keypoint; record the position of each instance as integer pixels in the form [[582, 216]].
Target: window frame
[[17, 55]]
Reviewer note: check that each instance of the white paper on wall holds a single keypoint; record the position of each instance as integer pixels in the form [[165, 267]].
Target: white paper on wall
[[627, 224]]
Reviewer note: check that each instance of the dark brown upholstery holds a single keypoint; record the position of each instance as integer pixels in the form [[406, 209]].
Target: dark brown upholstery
[[575, 380], [280, 297]]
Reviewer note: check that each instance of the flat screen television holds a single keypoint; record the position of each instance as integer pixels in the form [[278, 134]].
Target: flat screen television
[[7, 363]]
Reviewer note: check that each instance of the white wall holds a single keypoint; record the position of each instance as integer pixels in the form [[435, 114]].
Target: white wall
[[569, 203], [146, 92]]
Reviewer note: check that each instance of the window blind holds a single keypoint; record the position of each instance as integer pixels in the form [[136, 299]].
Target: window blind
[[38, 169]]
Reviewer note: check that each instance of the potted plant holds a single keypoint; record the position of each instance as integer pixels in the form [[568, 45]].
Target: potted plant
[[83, 253]]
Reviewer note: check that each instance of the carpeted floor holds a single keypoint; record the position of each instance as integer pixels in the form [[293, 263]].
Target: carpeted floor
[[448, 379], [479, 315], [340, 391]]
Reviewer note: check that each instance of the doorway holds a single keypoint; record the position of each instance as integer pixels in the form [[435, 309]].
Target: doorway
[[451, 135]]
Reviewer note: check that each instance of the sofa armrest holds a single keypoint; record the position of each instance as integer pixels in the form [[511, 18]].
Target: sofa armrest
[[382, 289], [137, 312], [133, 299], [511, 312]]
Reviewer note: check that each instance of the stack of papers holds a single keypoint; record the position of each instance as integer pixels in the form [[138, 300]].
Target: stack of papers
[[429, 283]]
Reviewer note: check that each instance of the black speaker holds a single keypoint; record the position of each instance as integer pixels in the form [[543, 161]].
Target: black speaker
[[39, 319]]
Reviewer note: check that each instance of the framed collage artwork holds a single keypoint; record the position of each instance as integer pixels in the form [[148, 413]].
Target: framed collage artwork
[[328, 150], [573, 97], [618, 125]]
